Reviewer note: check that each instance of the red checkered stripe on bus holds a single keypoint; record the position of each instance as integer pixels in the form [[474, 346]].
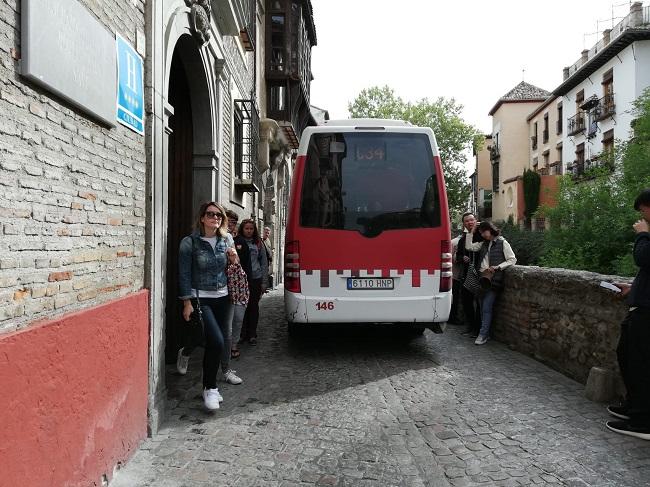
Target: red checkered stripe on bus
[[416, 274]]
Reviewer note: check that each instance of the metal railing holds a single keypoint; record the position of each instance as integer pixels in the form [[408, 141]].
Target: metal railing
[[247, 138], [605, 107], [495, 152], [576, 124], [626, 23]]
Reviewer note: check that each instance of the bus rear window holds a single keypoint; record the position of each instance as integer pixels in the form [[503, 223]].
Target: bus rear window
[[369, 182]]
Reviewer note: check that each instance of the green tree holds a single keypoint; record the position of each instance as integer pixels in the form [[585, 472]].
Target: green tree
[[453, 134], [591, 225]]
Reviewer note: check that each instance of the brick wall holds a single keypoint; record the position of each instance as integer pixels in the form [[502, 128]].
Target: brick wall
[[72, 192], [560, 317]]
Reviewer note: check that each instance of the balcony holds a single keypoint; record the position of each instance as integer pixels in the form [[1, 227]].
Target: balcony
[[533, 141], [495, 152], [605, 108], [576, 124], [248, 33], [247, 137]]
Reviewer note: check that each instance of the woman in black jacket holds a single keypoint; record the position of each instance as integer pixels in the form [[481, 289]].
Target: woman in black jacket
[[253, 259]]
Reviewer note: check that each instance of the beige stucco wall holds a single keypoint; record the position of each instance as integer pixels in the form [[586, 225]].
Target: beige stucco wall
[[484, 167], [553, 137], [509, 121]]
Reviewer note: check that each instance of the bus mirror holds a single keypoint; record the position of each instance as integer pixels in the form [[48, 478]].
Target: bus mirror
[[337, 147]]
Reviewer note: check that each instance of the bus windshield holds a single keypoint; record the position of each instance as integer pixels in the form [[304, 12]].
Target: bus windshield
[[369, 182]]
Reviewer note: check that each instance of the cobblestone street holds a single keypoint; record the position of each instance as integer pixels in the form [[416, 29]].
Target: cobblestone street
[[371, 407]]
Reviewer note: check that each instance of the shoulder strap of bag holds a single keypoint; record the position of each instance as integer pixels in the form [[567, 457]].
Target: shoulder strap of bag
[[198, 303]]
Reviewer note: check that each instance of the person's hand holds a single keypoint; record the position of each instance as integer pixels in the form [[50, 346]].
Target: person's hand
[[465, 259], [188, 309], [233, 258], [475, 227], [493, 269], [641, 226], [624, 287]]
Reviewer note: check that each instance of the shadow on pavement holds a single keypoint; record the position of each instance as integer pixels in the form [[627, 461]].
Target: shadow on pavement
[[281, 369]]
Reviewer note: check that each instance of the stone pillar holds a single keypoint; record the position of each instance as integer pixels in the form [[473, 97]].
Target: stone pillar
[[158, 131], [636, 14], [606, 36], [565, 73]]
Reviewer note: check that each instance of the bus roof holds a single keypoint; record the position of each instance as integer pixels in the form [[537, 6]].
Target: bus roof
[[367, 122]]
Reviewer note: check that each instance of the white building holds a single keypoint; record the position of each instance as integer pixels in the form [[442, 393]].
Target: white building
[[598, 90]]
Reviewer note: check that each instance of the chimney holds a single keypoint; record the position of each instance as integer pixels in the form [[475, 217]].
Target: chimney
[[636, 14], [606, 36], [585, 56], [565, 73]]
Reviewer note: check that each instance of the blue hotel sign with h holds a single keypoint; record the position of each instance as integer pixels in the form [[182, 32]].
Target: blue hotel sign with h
[[130, 86]]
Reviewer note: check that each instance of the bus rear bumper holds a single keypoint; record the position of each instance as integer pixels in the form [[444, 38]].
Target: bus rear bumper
[[327, 309]]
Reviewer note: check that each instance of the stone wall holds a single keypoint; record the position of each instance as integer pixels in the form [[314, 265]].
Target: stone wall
[[560, 317], [72, 192]]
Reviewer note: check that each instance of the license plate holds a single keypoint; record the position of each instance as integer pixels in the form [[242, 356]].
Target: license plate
[[355, 283]]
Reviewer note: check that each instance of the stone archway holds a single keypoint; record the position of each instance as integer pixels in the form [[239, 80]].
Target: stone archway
[[183, 172]]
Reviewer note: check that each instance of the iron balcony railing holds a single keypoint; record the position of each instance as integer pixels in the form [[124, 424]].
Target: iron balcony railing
[[605, 108], [248, 33], [495, 152], [247, 138], [576, 124], [628, 22]]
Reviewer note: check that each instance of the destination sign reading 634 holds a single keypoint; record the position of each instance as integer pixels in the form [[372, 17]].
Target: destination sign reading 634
[[370, 153]]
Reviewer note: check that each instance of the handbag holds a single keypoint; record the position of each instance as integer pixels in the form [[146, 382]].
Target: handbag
[[237, 284], [472, 282], [196, 318]]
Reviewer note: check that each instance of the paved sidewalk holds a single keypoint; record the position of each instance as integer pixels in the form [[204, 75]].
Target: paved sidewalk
[[370, 407]]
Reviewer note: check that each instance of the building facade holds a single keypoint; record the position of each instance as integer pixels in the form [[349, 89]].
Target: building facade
[[509, 150], [74, 306], [93, 209], [481, 181], [598, 91]]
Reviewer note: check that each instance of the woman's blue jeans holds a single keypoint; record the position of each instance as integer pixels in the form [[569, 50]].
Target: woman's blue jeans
[[487, 305], [216, 321]]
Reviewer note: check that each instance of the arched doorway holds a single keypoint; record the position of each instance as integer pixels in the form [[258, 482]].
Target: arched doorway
[[190, 137]]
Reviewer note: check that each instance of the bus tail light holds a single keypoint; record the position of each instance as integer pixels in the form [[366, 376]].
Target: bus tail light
[[445, 266], [292, 266]]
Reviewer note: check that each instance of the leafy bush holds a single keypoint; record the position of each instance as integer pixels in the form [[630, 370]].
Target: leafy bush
[[591, 225], [526, 244]]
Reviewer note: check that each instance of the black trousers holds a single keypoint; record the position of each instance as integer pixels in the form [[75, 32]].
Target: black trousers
[[471, 310], [633, 354], [252, 315], [455, 298]]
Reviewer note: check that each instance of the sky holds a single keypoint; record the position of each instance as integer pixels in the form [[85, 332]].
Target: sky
[[473, 51]]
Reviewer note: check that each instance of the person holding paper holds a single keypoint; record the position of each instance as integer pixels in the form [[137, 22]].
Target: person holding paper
[[633, 349]]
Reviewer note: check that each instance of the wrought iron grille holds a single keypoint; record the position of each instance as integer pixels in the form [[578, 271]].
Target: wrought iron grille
[[247, 137], [576, 124]]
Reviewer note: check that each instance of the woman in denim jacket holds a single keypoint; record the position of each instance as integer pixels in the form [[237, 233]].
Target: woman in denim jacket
[[202, 269]]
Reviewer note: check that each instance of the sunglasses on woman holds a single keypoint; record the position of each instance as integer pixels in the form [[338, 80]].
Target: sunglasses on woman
[[213, 214]]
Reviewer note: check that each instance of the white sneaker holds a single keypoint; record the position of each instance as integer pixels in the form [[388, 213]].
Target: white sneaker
[[231, 377], [480, 340], [182, 362], [211, 399]]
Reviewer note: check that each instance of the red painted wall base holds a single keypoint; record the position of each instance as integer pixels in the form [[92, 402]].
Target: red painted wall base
[[73, 397]]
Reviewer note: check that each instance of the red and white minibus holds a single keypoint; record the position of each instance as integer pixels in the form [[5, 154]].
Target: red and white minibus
[[368, 231]]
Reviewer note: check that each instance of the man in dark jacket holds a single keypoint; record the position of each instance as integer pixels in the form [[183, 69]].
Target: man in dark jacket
[[470, 303], [634, 344]]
